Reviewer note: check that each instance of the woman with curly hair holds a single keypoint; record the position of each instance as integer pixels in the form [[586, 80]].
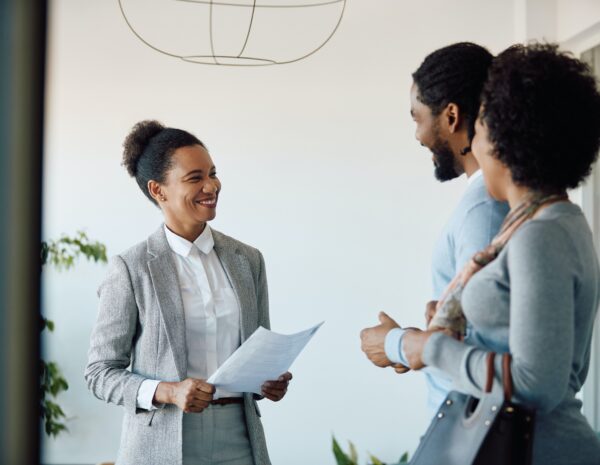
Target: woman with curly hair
[[173, 308], [536, 289]]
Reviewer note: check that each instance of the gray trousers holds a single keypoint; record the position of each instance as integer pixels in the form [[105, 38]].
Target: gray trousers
[[216, 436]]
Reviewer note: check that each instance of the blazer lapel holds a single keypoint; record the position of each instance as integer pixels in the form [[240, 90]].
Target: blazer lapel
[[168, 295], [238, 271]]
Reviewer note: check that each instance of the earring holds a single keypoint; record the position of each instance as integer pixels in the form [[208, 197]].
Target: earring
[[163, 198]]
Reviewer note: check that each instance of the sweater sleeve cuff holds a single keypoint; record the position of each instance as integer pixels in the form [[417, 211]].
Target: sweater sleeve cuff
[[393, 346], [445, 353]]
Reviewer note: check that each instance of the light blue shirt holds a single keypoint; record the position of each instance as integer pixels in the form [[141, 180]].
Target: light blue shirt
[[474, 223]]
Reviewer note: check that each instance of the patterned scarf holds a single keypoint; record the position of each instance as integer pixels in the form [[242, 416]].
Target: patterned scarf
[[449, 313]]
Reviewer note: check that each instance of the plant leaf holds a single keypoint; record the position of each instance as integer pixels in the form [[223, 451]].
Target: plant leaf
[[353, 453], [340, 457], [63, 252], [375, 460]]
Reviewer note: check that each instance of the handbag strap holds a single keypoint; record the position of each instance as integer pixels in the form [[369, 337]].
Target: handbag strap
[[507, 384], [490, 372], [507, 377]]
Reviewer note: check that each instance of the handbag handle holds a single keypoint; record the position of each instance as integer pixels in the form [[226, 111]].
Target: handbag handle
[[490, 372], [506, 375]]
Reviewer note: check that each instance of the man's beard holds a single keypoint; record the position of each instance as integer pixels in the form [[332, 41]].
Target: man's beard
[[444, 161]]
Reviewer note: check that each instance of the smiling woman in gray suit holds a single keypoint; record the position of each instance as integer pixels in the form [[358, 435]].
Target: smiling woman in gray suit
[[173, 308]]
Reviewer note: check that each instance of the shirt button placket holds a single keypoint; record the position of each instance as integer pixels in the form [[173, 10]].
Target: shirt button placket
[[211, 317]]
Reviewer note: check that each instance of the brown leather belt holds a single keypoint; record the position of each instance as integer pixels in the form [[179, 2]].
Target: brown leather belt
[[227, 401]]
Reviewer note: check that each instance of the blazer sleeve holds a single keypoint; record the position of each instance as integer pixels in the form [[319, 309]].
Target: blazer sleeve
[[262, 294], [262, 304], [111, 341]]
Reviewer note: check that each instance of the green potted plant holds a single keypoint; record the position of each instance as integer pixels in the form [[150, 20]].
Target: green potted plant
[[351, 458], [62, 254]]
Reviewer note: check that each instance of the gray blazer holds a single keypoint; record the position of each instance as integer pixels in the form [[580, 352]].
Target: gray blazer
[[140, 334]]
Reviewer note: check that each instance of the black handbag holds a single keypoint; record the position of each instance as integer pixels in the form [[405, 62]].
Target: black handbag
[[491, 430]]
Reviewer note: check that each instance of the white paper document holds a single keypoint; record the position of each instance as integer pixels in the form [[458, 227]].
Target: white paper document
[[264, 356]]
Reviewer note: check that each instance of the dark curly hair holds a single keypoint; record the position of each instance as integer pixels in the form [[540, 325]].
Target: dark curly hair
[[542, 110], [148, 149], [454, 74]]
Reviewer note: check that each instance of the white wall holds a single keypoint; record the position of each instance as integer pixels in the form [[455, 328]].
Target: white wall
[[575, 16], [535, 20], [320, 171], [575, 24]]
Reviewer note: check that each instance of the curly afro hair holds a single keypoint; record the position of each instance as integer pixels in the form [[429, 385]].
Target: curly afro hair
[[454, 74], [147, 152], [542, 110]]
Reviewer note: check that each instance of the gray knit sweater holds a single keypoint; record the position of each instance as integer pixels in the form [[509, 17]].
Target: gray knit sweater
[[538, 299]]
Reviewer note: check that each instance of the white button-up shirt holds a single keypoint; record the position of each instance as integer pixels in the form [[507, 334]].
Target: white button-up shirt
[[212, 313]]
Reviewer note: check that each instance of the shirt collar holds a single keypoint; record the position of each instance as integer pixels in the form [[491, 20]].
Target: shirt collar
[[474, 176], [181, 246]]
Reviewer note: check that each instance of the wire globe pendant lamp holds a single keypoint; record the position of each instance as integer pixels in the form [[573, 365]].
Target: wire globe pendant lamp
[[234, 32]]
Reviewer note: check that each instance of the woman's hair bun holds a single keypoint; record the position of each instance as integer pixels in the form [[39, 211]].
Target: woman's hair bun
[[136, 142]]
